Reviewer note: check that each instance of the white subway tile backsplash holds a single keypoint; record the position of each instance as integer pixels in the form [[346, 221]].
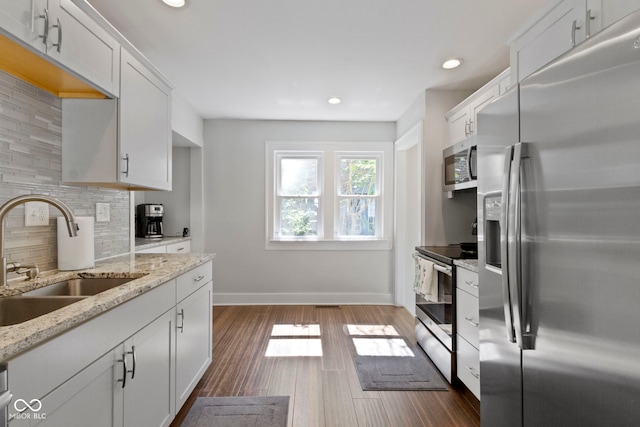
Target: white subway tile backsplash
[[31, 162]]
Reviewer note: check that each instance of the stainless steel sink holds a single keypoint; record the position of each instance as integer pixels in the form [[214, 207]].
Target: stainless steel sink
[[18, 309], [79, 287]]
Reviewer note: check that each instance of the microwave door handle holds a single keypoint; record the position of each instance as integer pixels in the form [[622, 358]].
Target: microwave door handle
[[504, 246], [472, 175]]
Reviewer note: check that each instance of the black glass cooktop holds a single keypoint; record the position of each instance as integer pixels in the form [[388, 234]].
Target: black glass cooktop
[[446, 254]]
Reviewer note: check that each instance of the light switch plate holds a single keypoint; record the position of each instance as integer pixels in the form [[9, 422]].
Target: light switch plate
[[36, 214], [103, 212]]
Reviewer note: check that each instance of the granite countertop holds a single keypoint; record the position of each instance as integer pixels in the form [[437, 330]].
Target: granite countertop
[[148, 271], [142, 243], [467, 264]]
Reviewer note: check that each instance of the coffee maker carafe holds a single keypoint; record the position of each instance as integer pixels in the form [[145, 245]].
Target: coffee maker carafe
[[149, 221]]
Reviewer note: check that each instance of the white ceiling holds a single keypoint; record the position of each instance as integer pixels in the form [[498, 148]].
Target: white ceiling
[[282, 59]]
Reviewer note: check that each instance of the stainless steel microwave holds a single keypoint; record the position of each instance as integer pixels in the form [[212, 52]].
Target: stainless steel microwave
[[460, 166]]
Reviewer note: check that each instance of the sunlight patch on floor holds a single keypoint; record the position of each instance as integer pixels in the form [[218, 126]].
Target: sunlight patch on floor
[[379, 330], [295, 331], [382, 347], [294, 347]]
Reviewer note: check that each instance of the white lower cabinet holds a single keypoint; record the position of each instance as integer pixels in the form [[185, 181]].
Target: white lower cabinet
[[467, 323], [143, 394], [193, 341], [86, 399], [134, 365], [128, 386]]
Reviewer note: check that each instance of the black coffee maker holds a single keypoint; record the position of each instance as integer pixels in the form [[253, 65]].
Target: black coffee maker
[[149, 221]]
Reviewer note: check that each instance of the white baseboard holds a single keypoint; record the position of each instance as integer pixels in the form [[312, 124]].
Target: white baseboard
[[302, 299]]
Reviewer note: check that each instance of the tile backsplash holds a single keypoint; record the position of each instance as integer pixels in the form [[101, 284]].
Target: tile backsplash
[[31, 162]]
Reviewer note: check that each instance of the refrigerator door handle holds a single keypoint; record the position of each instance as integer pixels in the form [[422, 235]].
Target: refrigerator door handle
[[504, 244], [514, 242]]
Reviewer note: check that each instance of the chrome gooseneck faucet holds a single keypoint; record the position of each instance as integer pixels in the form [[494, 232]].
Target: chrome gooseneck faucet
[[4, 210]]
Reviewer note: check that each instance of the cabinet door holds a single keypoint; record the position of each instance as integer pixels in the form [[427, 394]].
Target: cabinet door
[[84, 400], [147, 397], [613, 10], [145, 126], [193, 341], [467, 317], [459, 126], [549, 38], [485, 97], [81, 45], [468, 370], [25, 20]]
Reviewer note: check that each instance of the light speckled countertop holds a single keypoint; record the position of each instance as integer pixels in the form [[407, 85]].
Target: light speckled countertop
[[468, 264], [148, 270], [141, 243]]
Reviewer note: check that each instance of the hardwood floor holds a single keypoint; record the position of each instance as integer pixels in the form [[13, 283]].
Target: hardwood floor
[[324, 391]]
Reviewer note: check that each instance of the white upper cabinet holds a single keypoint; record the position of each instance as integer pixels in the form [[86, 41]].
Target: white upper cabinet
[[69, 39], [462, 118], [558, 27], [81, 45], [123, 143], [613, 10], [25, 20], [145, 126]]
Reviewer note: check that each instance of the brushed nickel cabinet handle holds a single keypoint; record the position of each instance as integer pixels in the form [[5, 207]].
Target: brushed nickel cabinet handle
[[181, 314], [126, 171], [133, 354], [472, 372], [124, 370], [58, 45], [470, 320], [45, 36], [574, 28]]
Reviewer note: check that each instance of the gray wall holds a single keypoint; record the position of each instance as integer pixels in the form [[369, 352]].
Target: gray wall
[[234, 221], [177, 202], [30, 162], [447, 221]]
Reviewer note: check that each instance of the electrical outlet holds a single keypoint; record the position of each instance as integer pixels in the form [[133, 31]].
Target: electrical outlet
[[103, 212], [36, 214]]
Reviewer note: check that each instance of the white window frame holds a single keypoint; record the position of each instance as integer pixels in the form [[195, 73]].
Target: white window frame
[[329, 155]]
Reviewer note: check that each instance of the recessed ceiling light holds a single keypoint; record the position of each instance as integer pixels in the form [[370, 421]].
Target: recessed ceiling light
[[334, 101], [174, 3], [451, 63]]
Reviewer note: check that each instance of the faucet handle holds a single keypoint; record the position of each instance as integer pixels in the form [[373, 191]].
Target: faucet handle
[[33, 272]]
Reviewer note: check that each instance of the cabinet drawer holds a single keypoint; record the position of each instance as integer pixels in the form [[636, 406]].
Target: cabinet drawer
[[468, 359], [194, 279], [467, 281], [467, 315], [179, 248]]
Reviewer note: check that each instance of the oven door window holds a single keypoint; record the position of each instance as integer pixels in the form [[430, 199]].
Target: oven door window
[[441, 311]]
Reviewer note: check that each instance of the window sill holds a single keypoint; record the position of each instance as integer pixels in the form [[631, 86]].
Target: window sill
[[328, 245]]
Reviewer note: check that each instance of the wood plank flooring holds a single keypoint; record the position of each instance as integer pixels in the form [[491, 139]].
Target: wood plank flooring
[[324, 391]]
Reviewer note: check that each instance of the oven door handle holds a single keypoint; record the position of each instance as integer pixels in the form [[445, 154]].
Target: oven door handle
[[441, 269]]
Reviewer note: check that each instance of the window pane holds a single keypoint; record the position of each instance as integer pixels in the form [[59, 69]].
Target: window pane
[[298, 177], [299, 216], [358, 177], [357, 217]]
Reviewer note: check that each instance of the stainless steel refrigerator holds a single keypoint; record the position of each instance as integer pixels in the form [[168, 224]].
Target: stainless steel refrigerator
[[559, 240]]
